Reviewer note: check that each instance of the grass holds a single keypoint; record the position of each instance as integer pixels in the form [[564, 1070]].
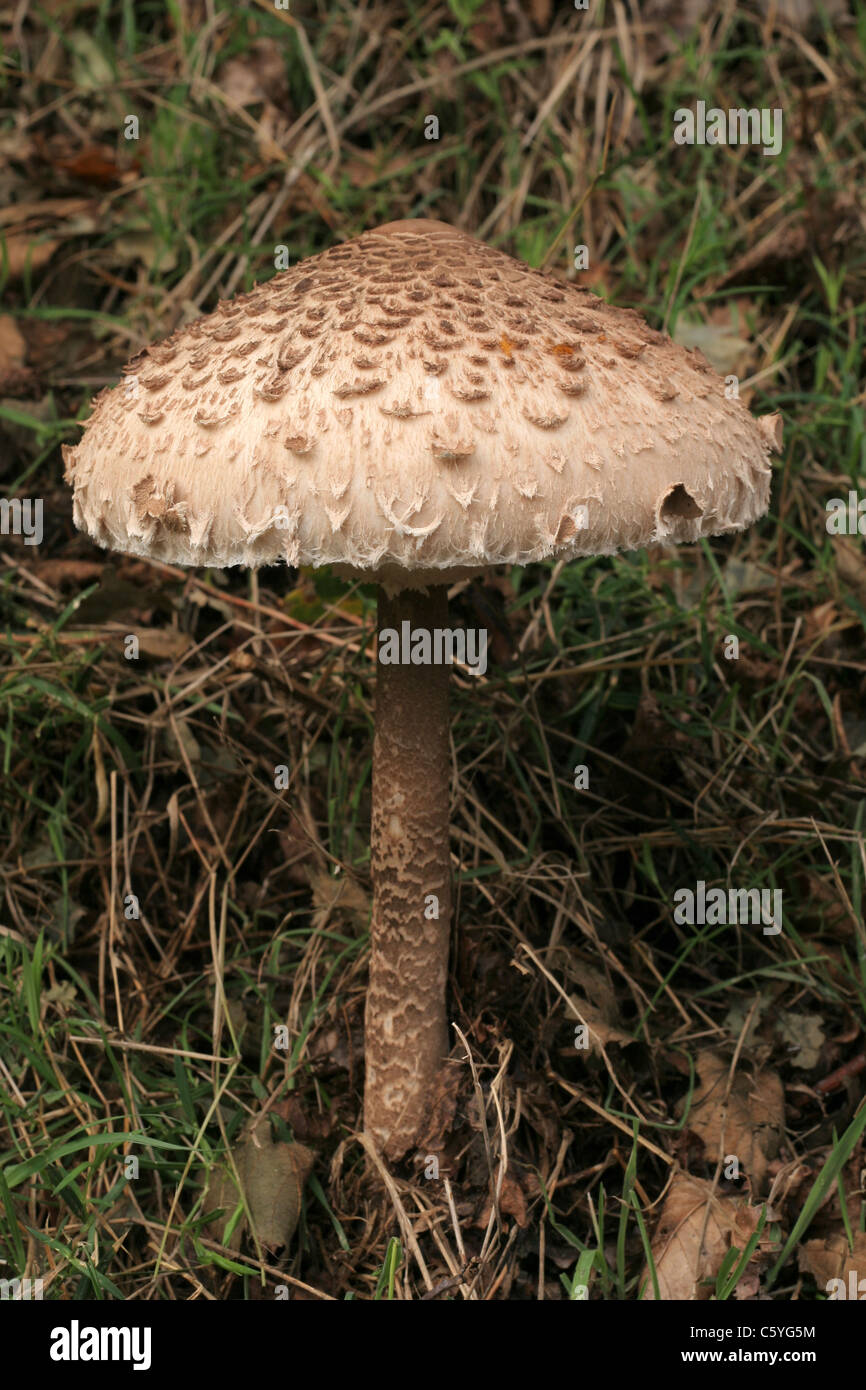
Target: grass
[[165, 906]]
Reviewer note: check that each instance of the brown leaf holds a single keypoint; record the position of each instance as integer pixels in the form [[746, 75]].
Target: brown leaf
[[116, 598], [27, 253], [272, 1177], [720, 340], [13, 348], [61, 574], [296, 845], [540, 12], [305, 1124], [600, 276], [162, 642], [490, 28], [363, 168], [18, 382], [34, 228], [851, 566], [595, 1004], [696, 1229], [256, 77], [600, 1031], [334, 1048], [48, 345], [342, 895], [16, 379], [93, 164], [748, 1121], [834, 1259], [803, 1036], [441, 1108], [511, 1203], [139, 242], [44, 213], [823, 621]]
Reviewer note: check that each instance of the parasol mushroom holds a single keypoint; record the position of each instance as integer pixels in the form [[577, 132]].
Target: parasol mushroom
[[413, 406]]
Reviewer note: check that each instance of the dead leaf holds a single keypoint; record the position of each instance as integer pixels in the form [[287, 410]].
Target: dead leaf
[[115, 596], [13, 348], [491, 26], [62, 994], [334, 1049], [34, 230], [834, 1259], [820, 620], [748, 1122], [180, 739], [272, 1177], [599, 276], [540, 12], [441, 1109], [94, 164], [851, 566], [20, 253], [744, 576], [140, 243], [755, 1008], [803, 1034], [363, 168], [512, 1202], [62, 573], [16, 379], [341, 894], [696, 1229], [748, 1284], [595, 1004], [47, 212], [305, 1124], [162, 642], [600, 1032], [259, 76], [92, 70], [724, 348]]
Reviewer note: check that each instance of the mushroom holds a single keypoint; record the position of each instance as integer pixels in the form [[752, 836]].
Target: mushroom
[[413, 406]]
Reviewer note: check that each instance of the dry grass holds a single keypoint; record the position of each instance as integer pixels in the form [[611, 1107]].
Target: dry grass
[[152, 1037]]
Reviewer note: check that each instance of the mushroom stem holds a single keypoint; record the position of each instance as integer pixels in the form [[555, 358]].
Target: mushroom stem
[[406, 1032]]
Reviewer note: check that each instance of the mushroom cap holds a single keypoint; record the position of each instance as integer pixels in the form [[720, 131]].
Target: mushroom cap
[[410, 406]]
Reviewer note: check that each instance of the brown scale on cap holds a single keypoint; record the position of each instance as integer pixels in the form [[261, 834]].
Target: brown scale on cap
[[391, 315]]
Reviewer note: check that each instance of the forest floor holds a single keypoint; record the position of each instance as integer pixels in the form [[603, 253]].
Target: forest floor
[[165, 908]]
